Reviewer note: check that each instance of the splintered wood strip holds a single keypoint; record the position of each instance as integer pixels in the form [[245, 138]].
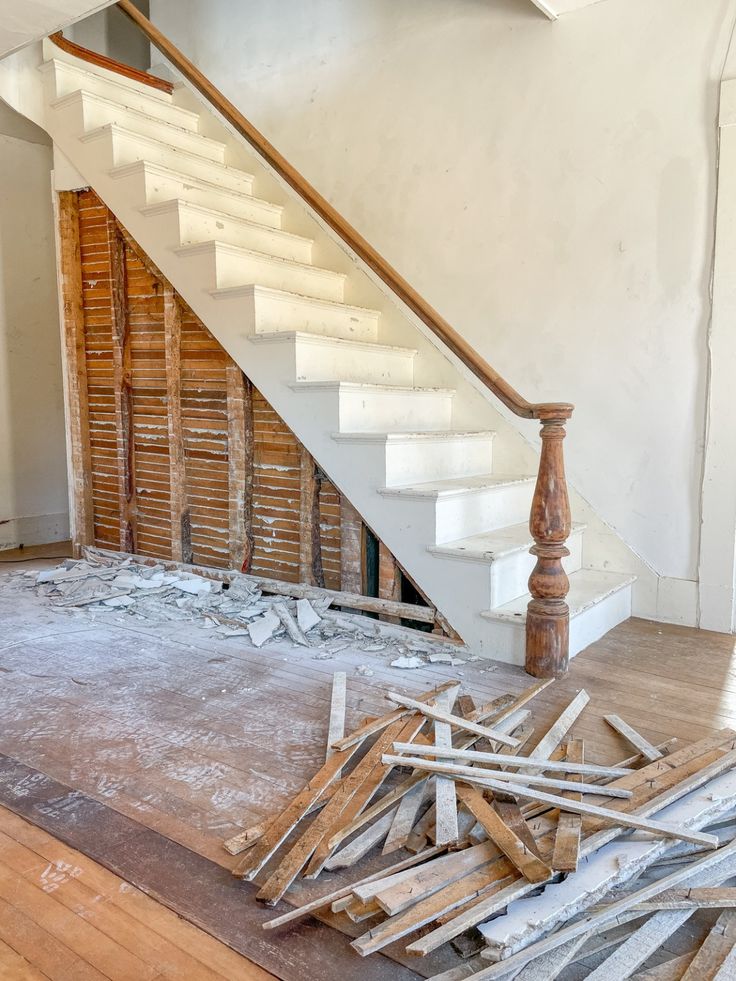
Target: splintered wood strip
[[432, 876], [486, 712], [454, 720], [336, 728], [660, 784], [703, 898], [301, 851], [75, 367], [376, 774], [569, 826], [671, 970], [521, 700], [485, 881], [503, 759], [419, 835], [527, 862], [552, 964], [485, 777], [551, 740], [609, 816], [445, 797], [711, 960], [404, 817], [283, 825], [362, 844], [378, 725], [644, 747], [597, 920], [344, 891], [238, 843], [510, 813]]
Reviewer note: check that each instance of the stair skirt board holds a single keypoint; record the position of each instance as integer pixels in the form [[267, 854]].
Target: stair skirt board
[[347, 377]]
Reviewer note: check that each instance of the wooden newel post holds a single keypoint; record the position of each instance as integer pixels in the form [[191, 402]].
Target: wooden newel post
[[548, 615]]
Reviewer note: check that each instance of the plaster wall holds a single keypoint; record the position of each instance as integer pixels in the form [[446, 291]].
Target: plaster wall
[[33, 483], [549, 187]]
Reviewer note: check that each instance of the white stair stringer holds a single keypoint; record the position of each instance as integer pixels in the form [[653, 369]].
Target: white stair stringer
[[432, 465]]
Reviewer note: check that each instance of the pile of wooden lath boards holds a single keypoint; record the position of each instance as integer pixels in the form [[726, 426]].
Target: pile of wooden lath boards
[[483, 826]]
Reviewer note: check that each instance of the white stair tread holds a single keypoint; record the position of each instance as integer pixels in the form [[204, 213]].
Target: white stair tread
[[305, 336], [163, 207], [224, 292], [240, 250], [95, 134], [168, 108], [166, 126], [123, 170], [493, 545], [436, 435], [456, 486], [588, 587]]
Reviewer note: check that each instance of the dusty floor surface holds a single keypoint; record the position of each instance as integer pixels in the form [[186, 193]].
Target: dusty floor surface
[[198, 735]]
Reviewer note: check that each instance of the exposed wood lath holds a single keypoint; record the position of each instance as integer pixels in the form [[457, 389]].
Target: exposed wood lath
[[176, 454]]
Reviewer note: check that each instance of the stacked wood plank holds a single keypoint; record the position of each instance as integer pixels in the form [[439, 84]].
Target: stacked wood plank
[[476, 822]]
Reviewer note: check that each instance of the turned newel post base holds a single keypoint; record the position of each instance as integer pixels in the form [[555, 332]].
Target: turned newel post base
[[548, 615]]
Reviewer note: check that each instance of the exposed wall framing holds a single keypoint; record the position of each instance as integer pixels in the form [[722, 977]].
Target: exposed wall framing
[[175, 454]]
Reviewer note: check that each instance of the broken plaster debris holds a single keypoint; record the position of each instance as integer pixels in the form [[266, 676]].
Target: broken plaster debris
[[102, 585]]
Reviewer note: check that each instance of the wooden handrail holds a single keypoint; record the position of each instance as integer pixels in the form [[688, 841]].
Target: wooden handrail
[[362, 248], [102, 61], [548, 616]]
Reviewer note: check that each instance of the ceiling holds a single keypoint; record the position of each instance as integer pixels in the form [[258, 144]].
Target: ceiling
[[22, 21]]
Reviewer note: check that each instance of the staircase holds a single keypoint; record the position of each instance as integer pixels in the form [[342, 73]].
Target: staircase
[[402, 429]]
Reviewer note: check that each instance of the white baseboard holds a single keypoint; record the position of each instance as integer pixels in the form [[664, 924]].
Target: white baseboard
[[38, 529]]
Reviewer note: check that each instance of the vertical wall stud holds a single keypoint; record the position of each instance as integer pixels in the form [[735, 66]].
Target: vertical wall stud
[[310, 542], [181, 530], [75, 369], [123, 385], [351, 548], [240, 466]]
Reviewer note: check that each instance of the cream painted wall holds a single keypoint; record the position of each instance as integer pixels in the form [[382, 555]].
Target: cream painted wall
[[33, 483], [549, 187]]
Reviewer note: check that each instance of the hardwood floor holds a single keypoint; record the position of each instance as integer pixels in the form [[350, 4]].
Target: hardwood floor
[[62, 916], [198, 737]]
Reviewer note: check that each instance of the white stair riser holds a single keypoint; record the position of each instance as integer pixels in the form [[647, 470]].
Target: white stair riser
[[415, 462], [183, 226], [445, 519], [510, 573], [218, 267], [85, 113], [63, 79], [392, 412], [508, 639], [325, 362], [264, 312], [150, 186], [116, 148]]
